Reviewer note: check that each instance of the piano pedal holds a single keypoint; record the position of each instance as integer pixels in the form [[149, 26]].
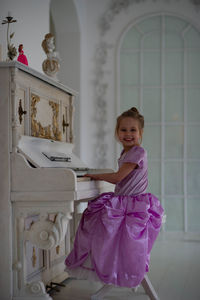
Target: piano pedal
[[53, 287], [58, 284]]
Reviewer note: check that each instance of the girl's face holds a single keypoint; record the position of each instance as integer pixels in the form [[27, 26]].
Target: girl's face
[[129, 133]]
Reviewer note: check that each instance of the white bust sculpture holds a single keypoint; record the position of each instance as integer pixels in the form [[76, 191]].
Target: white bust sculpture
[[51, 65]]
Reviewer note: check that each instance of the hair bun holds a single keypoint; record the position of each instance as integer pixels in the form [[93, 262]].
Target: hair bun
[[134, 109]]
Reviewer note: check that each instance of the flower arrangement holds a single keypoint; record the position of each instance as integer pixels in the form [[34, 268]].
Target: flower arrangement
[[12, 51]]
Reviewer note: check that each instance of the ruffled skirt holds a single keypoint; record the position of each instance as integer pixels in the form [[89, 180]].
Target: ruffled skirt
[[114, 239]]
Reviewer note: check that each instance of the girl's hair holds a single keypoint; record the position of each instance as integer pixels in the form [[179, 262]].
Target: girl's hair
[[131, 113]]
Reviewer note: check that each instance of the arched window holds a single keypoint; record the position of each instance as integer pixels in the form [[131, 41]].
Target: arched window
[[160, 74]]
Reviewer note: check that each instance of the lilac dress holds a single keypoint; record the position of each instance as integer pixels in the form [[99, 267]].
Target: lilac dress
[[117, 230]]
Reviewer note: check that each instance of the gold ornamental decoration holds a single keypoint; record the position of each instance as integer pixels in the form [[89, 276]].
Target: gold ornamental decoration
[[58, 249], [50, 131], [34, 258], [55, 124]]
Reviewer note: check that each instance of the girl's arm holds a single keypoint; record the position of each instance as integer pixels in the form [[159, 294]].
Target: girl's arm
[[114, 177]]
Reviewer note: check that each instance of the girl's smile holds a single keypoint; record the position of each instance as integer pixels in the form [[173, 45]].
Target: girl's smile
[[129, 133]]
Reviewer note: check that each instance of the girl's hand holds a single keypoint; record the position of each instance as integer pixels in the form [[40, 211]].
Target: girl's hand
[[114, 177], [92, 176]]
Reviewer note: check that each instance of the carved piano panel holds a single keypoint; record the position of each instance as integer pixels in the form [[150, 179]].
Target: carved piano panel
[[42, 110], [36, 258], [45, 118], [43, 264], [57, 255]]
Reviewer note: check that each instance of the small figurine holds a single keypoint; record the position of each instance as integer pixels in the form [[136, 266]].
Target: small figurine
[[22, 58], [51, 65]]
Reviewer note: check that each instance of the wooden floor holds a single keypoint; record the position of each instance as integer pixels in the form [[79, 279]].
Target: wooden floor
[[174, 273]]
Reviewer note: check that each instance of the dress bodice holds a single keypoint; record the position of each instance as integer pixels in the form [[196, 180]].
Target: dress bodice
[[135, 182]]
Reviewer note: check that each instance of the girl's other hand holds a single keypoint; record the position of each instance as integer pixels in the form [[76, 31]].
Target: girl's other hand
[[92, 176]]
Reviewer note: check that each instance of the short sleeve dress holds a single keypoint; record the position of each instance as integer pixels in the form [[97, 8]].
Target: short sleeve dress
[[117, 230]]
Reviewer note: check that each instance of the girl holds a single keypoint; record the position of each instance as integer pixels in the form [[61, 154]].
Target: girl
[[117, 230]]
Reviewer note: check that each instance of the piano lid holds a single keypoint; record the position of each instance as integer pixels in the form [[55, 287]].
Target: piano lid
[[44, 153]]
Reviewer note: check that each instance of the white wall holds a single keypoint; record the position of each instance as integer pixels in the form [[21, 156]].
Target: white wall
[[92, 140], [32, 24]]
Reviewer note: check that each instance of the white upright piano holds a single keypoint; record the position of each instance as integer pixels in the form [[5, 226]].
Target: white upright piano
[[43, 191]]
